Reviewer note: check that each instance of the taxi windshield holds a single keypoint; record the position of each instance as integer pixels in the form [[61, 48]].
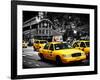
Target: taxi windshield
[[62, 46]]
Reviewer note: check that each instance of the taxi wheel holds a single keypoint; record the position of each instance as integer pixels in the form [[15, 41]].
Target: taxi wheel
[[41, 56], [58, 60]]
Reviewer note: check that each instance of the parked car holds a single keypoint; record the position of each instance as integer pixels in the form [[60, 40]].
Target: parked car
[[61, 53], [83, 45], [39, 44]]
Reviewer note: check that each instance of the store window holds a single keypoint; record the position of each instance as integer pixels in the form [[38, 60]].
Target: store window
[[39, 31], [43, 31], [46, 31]]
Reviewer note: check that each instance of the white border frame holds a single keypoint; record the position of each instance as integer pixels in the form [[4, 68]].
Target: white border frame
[[21, 71]]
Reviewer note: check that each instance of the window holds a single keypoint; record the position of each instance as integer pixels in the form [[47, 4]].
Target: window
[[39, 31], [87, 44], [34, 26], [46, 31], [46, 46], [26, 28], [48, 25], [76, 44], [82, 44], [41, 25], [62, 46], [51, 47], [36, 41], [49, 32], [43, 31]]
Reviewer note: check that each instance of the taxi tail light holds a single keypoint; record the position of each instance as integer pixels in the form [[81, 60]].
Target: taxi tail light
[[83, 49]]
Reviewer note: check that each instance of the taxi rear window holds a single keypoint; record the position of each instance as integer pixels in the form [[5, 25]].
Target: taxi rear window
[[87, 44]]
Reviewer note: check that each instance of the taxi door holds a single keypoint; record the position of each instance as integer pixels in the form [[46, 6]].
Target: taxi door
[[45, 51], [82, 46], [50, 52]]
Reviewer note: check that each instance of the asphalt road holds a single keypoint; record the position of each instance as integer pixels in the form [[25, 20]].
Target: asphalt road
[[32, 60]]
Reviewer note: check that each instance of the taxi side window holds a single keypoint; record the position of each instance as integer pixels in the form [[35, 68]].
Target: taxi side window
[[82, 44], [46, 46], [51, 47], [36, 41], [75, 44]]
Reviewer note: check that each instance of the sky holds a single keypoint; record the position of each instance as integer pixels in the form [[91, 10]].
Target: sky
[[29, 14]]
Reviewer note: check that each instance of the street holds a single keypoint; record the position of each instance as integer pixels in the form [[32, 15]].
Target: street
[[32, 60]]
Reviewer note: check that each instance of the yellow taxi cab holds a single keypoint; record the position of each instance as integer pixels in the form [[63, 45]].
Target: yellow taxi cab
[[24, 44], [39, 44], [61, 53], [83, 45]]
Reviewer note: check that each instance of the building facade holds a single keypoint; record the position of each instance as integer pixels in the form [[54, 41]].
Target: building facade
[[39, 27]]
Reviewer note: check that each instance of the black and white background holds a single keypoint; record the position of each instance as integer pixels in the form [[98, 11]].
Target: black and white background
[[68, 25]]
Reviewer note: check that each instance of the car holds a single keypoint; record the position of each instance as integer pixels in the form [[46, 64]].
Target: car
[[83, 45], [39, 44], [24, 44], [61, 53]]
